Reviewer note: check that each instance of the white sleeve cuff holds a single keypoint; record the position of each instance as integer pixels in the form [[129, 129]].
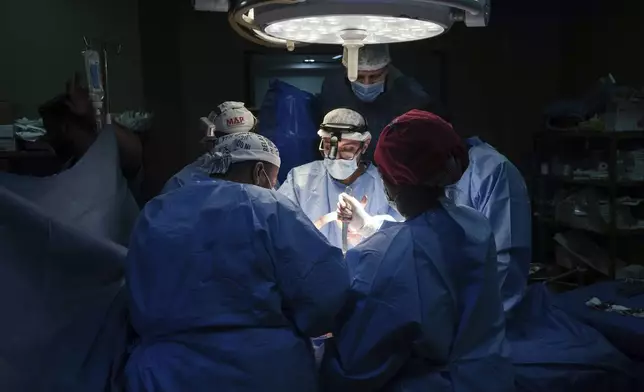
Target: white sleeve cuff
[[374, 224]]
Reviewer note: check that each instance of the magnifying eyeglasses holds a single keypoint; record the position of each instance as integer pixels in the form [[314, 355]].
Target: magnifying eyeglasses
[[336, 131]]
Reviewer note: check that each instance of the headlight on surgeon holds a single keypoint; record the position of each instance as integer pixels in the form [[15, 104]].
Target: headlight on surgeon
[[344, 138]]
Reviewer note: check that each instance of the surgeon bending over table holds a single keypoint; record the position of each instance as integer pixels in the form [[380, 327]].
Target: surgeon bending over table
[[424, 312], [228, 279], [316, 186]]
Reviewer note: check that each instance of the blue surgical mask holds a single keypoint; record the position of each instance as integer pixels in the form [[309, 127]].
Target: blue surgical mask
[[368, 92]]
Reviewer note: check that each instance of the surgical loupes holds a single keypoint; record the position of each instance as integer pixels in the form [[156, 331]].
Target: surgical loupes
[[333, 151]]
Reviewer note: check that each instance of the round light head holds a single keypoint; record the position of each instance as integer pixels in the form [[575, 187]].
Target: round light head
[[329, 29]]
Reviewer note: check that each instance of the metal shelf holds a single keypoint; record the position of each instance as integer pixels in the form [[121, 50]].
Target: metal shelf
[[592, 134], [606, 183], [543, 142], [558, 224]]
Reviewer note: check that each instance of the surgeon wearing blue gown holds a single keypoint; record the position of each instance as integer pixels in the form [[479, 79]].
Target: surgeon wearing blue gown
[[315, 186], [493, 186], [424, 312], [550, 350], [380, 94], [228, 280], [229, 117]]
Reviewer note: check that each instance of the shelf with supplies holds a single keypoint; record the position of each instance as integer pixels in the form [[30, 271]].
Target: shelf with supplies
[[589, 186], [594, 181], [556, 224], [591, 134]]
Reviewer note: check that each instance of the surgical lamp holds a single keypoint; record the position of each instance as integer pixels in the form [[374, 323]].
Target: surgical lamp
[[351, 23]]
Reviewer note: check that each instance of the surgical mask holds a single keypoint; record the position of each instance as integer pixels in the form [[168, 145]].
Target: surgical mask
[[340, 169], [368, 92]]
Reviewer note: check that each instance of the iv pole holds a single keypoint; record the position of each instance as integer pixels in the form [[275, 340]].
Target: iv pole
[[105, 48], [96, 70]]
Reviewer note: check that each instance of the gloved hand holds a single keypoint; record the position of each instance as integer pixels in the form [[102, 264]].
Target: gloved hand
[[352, 211]]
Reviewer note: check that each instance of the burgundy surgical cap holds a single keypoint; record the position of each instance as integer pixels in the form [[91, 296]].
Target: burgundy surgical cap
[[417, 147]]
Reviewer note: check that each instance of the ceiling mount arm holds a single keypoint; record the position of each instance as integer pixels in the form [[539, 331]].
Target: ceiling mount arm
[[473, 7], [475, 13], [239, 22]]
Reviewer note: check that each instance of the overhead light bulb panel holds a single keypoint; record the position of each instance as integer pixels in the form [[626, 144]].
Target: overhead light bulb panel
[[351, 23], [382, 21], [379, 29]]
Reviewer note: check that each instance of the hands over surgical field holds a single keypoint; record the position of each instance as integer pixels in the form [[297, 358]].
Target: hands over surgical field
[[353, 212]]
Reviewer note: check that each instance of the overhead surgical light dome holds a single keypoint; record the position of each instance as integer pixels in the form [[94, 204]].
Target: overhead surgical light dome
[[377, 29], [351, 23]]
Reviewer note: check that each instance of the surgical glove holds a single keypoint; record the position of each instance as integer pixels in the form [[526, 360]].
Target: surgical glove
[[354, 238], [352, 211]]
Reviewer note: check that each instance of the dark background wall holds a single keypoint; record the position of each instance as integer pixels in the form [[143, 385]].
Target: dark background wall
[[603, 36], [164, 151], [41, 43]]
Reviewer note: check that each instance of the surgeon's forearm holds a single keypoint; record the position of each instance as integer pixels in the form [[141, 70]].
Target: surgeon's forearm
[[374, 224], [325, 220], [370, 227]]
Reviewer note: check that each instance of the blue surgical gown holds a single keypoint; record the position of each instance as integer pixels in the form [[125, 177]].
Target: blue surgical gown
[[401, 95], [424, 312], [493, 186], [227, 282], [189, 174], [312, 188]]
